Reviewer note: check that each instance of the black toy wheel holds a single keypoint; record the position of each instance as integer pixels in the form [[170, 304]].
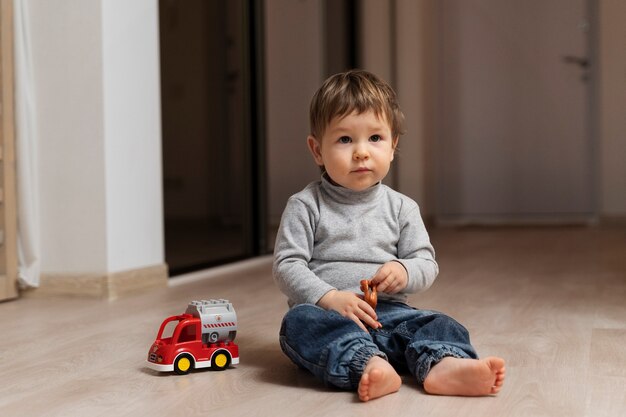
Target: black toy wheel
[[183, 364], [221, 360]]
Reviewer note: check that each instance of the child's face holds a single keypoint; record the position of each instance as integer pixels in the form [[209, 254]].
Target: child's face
[[356, 150]]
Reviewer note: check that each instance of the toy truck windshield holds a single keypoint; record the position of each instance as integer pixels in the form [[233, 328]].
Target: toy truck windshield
[[168, 328]]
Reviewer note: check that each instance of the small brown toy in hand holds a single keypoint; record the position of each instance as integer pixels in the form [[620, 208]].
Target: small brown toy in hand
[[369, 293]]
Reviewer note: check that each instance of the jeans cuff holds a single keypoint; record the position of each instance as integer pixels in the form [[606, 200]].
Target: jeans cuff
[[429, 359], [359, 361]]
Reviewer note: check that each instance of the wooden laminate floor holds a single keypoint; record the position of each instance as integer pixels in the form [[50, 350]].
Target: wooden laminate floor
[[551, 301]]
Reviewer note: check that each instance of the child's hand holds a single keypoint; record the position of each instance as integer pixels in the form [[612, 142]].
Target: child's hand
[[390, 278], [351, 306]]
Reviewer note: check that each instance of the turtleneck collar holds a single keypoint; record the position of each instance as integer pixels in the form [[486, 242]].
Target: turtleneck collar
[[344, 195]]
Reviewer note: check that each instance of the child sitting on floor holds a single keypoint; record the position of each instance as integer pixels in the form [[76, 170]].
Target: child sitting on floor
[[349, 226]]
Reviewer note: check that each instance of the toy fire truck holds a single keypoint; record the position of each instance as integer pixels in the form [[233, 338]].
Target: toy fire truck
[[202, 337]]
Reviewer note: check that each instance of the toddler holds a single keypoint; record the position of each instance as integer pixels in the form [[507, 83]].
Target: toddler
[[349, 226]]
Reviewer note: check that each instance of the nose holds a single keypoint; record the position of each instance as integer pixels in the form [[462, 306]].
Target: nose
[[361, 153]]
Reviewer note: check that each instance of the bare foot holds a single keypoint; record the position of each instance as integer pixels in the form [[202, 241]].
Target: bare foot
[[468, 377], [378, 379]]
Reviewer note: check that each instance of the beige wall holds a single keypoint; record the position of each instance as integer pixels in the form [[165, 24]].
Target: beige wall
[[68, 71], [73, 75], [294, 71], [612, 107], [96, 72], [293, 47], [295, 62], [376, 51], [415, 84], [410, 67]]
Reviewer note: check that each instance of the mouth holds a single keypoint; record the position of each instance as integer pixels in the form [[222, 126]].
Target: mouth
[[361, 169]]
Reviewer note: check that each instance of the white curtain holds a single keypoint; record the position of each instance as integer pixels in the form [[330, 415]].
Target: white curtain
[[28, 241]]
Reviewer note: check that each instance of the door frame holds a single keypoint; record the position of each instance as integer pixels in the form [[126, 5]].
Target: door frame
[[8, 193]]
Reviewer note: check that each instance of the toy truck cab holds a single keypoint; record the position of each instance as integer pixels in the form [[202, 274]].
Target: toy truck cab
[[192, 344]]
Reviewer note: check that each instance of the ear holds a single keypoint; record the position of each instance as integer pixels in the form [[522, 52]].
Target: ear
[[394, 146], [316, 149]]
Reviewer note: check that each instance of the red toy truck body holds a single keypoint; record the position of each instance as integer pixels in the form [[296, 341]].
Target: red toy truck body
[[202, 338]]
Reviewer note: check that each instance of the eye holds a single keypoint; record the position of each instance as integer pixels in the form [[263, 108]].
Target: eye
[[375, 138], [345, 139]]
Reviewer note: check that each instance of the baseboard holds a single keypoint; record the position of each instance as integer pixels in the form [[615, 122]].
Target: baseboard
[[218, 271], [515, 221], [613, 220], [134, 281], [103, 286]]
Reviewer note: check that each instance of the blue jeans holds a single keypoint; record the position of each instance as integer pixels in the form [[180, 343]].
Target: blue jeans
[[336, 350]]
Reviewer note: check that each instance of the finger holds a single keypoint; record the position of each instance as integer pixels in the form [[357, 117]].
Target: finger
[[368, 310], [359, 323], [393, 287], [368, 316], [385, 284], [370, 322], [379, 276]]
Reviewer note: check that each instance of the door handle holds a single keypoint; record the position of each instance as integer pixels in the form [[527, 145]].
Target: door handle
[[583, 62]]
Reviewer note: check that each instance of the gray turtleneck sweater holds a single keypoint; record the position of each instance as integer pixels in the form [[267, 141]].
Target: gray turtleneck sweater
[[331, 237]]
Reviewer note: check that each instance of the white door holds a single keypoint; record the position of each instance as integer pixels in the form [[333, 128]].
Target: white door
[[514, 119]]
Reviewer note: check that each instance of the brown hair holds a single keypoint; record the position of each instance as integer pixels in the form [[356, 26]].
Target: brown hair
[[354, 91]]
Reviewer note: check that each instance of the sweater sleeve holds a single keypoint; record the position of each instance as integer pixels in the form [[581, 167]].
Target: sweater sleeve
[[292, 252], [415, 251]]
